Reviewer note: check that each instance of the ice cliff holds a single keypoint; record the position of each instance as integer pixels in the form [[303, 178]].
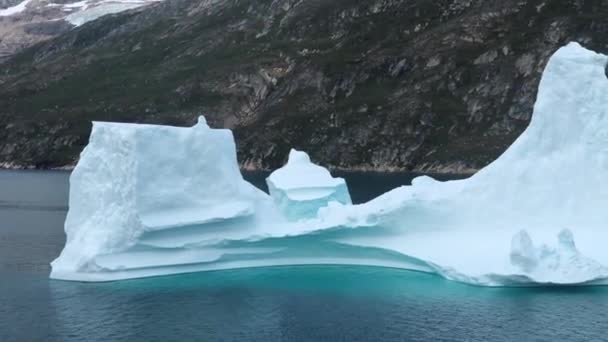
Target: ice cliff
[[152, 200], [141, 193]]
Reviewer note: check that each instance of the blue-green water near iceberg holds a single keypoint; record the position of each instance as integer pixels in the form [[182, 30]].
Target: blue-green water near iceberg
[[304, 303]]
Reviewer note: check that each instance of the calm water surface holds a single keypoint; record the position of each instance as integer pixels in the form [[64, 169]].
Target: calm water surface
[[331, 303]]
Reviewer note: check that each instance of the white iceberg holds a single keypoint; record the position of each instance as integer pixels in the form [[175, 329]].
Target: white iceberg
[[152, 200], [301, 188], [135, 183]]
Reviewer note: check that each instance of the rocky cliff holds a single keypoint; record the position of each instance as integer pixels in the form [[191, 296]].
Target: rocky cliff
[[359, 84]]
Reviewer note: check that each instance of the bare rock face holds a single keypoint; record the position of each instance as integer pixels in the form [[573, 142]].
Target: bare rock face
[[359, 84], [24, 23]]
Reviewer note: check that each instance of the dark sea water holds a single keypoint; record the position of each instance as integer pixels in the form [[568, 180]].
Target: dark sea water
[[305, 303]]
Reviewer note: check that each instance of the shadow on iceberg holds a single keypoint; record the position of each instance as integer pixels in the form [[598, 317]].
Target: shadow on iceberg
[[155, 200]]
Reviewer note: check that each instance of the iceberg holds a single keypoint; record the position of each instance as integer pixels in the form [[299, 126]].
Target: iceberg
[[301, 188], [154, 200], [147, 192]]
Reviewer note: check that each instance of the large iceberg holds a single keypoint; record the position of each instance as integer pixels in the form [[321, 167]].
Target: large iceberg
[[301, 188], [143, 196], [152, 200]]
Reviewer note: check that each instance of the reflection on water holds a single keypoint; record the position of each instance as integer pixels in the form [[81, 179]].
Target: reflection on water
[[300, 303], [329, 303]]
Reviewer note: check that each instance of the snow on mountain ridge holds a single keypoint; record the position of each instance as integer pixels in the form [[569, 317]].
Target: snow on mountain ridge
[[51, 18], [14, 9], [102, 7]]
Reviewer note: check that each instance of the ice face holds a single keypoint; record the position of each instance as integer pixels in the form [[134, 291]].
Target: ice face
[[301, 188], [153, 200], [134, 182], [562, 263]]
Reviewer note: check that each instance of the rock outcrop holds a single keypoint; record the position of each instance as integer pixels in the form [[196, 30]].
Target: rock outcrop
[[361, 85]]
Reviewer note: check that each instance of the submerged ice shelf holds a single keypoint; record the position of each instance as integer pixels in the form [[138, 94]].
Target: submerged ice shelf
[[154, 200]]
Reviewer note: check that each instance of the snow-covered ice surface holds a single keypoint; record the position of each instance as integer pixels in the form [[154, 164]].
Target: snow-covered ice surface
[[301, 188], [153, 200], [14, 9]]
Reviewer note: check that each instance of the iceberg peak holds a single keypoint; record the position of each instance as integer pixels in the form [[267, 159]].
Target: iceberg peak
[[300, 172], [298, 157], [301, 188], [202, 122]]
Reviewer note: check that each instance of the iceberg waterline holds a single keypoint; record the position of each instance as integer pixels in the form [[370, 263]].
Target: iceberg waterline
[[154, 200]]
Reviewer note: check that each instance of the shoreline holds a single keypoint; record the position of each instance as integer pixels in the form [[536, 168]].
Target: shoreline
[[435, 169]]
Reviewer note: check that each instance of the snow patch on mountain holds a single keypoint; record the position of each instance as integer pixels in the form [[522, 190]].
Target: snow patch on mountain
[[88, 13], [14, 9], [89, 10]]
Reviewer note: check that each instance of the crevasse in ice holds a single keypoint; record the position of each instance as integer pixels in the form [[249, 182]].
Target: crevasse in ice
[[153, 200]]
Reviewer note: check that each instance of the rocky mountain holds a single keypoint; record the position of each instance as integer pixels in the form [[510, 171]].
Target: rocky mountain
[[425, 85], [26, 22]]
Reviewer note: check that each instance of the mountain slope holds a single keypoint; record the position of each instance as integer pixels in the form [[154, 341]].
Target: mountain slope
[[26, 22], [360, 84]]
